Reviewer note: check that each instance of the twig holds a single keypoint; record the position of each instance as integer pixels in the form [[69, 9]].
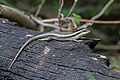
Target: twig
[[73, 22], [100, 22], [42, 28], [50, 20], [43, 24], [63, 19], [97, 16], [61, 2], [84, 20], [103, 10], [48, 25], [68, 15], [37, 13], [39, 8], [23, 19]]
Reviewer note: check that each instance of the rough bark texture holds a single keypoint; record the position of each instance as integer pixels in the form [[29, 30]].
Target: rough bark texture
[[53, 60]]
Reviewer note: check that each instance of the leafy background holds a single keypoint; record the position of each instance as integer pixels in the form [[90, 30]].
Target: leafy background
[[108, 33]]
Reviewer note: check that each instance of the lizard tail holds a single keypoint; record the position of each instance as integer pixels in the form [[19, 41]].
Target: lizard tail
[[25, 44]]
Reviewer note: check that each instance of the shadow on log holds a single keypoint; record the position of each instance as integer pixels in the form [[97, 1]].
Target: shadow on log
[[54, 60]]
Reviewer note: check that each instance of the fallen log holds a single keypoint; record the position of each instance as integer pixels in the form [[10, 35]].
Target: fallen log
[[53, 60]]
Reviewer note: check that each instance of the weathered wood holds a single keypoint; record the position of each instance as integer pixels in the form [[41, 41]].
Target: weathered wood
[[53, 60]]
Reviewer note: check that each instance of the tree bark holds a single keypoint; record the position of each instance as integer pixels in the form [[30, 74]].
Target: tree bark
[[53, 60]]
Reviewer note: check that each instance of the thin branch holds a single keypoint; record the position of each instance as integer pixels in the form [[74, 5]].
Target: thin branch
[[50, 20], [83, 20], [42, 28], [61, 2], [38, 11], [97, 16], [100, 22], [103, 10], [63, 19], [48, 25], [93, 18], [68, 15], [39, 8], [43, 24], [73, 22], [25, 20]]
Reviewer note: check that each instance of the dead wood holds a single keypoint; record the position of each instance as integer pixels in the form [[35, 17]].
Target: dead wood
[[53, 60]]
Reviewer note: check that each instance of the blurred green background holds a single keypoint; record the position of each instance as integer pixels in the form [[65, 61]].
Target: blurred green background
[[108, 33]]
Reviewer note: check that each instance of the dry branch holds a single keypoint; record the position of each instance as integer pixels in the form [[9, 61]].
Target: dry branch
[[75, 2], [25, 20], [98, 15], [39, 8], [61, 3], [17, 16], [53, 60], [46, 24], [103, 10], [88, 23], [100, 22], [38, 12], [84, 20]]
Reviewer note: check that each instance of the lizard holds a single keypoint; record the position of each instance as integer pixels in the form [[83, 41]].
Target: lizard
[[52, 36]]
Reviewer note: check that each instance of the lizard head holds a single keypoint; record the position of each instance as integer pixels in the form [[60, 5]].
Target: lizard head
[[84, 33]]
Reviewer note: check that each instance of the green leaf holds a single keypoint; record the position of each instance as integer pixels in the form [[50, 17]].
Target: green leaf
[[77, 21], [89, 76], [65, 11], [76, 16]]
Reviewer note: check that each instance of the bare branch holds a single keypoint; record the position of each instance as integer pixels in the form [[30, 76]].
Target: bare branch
[[97, 16], [100, 22], [47, 25], [103, 10], [50, 20], [83, 20], [73, 22], [38, 11], [42, 28], [88, 22], [22, 18], [61, 2], [44, 24], [68, 15], [39, 8], [63, 19]]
